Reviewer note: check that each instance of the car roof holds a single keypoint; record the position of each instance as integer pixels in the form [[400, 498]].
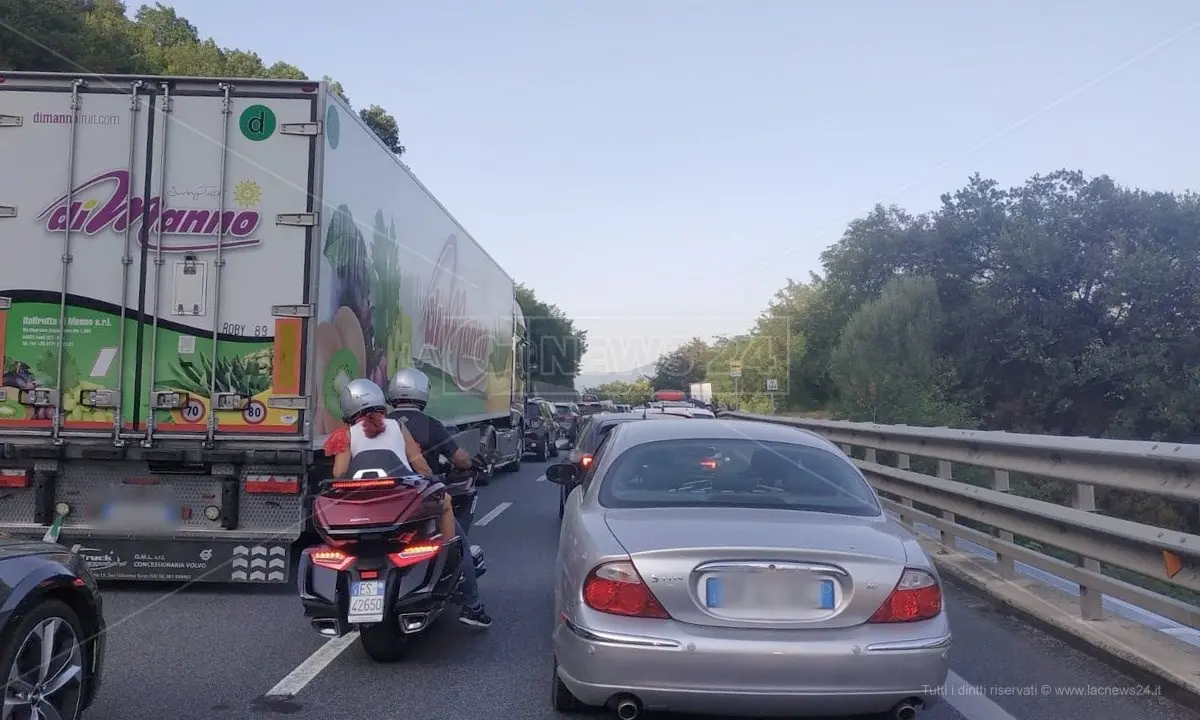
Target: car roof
[[679, 428]]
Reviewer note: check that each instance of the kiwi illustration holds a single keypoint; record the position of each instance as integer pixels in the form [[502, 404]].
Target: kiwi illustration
[[349, 327], [343, 367], [328, 342]]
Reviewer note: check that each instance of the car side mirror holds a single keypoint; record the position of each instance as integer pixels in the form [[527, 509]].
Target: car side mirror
[[562, 474]]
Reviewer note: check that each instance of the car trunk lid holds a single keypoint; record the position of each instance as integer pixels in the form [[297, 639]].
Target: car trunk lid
[[745, 567]]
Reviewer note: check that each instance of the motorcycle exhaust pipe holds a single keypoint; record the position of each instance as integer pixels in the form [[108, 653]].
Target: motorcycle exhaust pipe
[[904, 711], [628, 708], [327, 627]]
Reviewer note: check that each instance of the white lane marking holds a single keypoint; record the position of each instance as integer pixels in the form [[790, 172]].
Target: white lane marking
[[540, 478], [312, 666], [493, 514], [970, 701]]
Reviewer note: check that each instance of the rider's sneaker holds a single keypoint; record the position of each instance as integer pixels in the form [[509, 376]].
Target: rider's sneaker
[[475, 617]]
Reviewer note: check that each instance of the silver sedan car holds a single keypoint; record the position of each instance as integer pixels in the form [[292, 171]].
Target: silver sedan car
[[742, 568]]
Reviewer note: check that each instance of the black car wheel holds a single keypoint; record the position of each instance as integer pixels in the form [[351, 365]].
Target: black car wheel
[[44, 665]]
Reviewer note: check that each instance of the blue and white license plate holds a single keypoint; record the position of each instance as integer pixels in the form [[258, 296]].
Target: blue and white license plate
[[743, 592], [366, 602]]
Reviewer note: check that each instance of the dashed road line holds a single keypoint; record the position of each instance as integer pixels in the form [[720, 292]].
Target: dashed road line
[[493, 514], [312, 666]]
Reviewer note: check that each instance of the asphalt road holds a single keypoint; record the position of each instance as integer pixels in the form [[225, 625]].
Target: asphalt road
[[213, 653]]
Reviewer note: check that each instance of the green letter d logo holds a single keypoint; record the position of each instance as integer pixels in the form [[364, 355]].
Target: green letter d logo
[[257, 122]]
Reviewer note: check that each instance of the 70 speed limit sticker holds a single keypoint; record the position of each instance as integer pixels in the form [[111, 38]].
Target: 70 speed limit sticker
[[192, 411], [254, 413]]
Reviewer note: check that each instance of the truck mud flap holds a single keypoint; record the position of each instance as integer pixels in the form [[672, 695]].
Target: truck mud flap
[[184, 560]]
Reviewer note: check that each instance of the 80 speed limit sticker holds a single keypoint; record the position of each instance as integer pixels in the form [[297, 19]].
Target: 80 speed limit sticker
[[255, 412]]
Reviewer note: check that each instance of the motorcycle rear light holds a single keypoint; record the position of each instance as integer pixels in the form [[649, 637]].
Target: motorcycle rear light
[[272, 485], [414, 554], [14, 478], [916, 597], [617, 589], [331, 558], [585, 461], [368, 574], [709, 464], [371, 484]]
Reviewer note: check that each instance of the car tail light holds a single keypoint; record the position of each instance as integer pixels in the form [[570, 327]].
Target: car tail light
[[916, 597], [413, 554], [331, 558], [14, 478], [617, 589], [709, 464], [272, 485], [585, 461]]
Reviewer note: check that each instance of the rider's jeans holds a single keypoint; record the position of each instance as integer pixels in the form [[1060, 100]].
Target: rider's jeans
[[470, 587]]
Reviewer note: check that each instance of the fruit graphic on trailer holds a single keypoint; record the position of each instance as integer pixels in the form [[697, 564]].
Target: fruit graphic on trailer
[[340, 358]]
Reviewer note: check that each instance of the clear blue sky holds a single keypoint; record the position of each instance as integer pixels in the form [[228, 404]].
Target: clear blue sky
[[614, 154]]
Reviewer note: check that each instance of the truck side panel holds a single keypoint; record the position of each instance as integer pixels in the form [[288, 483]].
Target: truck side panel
[[403, 285]]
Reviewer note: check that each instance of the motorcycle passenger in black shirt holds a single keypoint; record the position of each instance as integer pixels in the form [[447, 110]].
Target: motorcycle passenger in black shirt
[[408, 394]]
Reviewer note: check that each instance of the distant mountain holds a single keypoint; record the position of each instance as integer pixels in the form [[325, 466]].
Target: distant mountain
[[587, 380]]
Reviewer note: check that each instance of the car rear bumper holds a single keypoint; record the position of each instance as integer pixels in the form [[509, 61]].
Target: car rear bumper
[[681, 668]]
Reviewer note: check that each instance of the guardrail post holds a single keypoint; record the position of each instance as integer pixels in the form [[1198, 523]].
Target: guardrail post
[[1008, 570], [946, 472], [1091, 601], [902, 462]]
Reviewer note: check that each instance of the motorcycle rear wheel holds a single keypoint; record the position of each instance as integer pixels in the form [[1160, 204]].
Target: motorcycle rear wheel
[[384, 642]]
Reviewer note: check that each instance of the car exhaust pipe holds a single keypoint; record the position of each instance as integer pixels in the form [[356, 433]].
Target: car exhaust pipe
[[327, 627], [904, 711], [628, 708]]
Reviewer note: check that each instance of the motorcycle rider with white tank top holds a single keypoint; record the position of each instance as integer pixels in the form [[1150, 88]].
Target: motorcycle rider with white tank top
[[363, 406]]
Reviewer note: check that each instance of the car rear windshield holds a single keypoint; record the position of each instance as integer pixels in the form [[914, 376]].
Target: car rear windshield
[[590, 408], [564, 409], [736, 473], [601, 431]]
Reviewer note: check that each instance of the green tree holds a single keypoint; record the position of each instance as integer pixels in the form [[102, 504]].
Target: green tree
[[555, 345], [383, 124], [886, 364], [99, 37], [687, 364]]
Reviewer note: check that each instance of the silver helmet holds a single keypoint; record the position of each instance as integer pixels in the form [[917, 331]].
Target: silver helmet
[[360, 395], [409, 385]]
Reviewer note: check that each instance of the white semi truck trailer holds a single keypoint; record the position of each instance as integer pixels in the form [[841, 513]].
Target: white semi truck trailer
[[193, 268]]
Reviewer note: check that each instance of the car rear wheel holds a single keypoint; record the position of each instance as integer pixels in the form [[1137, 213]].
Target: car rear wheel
[[561, 698], [44, 664]]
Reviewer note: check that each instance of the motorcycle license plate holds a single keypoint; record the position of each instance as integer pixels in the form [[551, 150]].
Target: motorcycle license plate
[[366, 602]]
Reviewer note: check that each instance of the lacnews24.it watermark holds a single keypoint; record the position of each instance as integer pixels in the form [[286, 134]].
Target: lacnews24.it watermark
[[1047, 690]]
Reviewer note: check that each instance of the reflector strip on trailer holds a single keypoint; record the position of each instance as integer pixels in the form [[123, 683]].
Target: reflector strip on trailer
[[285, 375]]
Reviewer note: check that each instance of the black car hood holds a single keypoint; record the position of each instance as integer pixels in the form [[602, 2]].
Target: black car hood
[[11, 547]]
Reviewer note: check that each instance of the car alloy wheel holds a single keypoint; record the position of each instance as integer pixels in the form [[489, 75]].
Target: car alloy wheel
[[46, 677]]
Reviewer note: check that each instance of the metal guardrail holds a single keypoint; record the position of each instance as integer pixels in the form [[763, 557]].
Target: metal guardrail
[[1146, 468]]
